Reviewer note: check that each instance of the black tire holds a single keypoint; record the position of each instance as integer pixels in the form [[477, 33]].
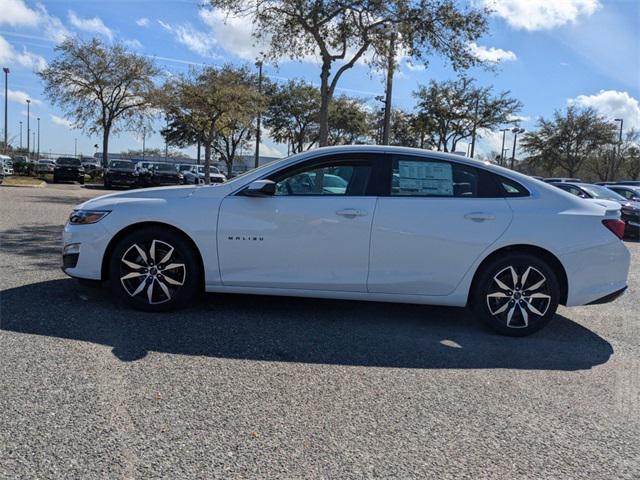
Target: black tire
[[81, 181], [107, 184], [176, 272], [515, 312], [55, 180]]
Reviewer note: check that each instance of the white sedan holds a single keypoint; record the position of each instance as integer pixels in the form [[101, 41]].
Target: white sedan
[[358, 222]]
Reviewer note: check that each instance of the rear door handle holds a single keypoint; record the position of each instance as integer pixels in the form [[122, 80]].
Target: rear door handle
[[479, 216], [351, 212]]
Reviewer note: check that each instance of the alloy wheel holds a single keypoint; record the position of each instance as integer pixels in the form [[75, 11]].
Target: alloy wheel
[[518, 296], [152, 271]]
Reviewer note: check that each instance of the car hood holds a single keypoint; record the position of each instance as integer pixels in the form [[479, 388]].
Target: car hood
[[140, 195]]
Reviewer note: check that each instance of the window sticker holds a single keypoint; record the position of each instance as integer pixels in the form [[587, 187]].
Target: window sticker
[[425, 178]]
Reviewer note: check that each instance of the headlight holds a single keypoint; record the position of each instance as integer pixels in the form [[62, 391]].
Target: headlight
[[84, 217]]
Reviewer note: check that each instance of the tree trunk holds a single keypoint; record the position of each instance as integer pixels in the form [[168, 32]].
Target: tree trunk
[[325, 98], [105, 147]]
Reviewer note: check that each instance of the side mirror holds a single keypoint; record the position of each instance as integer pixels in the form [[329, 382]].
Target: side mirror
[[260, 188]]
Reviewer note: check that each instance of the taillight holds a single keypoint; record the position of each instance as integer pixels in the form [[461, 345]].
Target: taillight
[[616, 226]]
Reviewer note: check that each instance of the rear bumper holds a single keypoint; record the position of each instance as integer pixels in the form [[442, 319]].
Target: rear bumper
[[608, 298], [594, 273]]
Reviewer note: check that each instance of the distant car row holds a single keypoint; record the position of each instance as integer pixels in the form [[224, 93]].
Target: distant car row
[[126, 173], [626, 194]]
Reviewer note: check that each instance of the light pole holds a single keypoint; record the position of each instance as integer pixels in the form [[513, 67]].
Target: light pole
[[6, 99], [391, 58], [75, 147], [504, 134], [28, 128], [515, 131], [33, 134], [475, 124], [256, 161], [144, 135], [20, 134], [38, 154]]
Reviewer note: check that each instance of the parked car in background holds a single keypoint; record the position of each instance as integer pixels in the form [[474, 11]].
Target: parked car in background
[[68, 169], [630, 192], [195, 175], [6, 164], [561, 179], [45, 166], [90, 165], [451, 231], [164, 174], [629, 210], [144, 173], [635, 183], [121, 173]]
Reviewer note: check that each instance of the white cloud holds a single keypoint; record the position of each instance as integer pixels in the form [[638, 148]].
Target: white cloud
[[142, 22], [234, 34], [20, 97], [133, 43], [10, 57], [52, 26], [195, 40], [16, 14], [519, 118], [541, 14], [491, 54], [414, 67], [612, 104], [91, 25], [61, 121]]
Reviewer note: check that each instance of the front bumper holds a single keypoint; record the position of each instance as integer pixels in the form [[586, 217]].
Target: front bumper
[[68, 175], [84, 261]]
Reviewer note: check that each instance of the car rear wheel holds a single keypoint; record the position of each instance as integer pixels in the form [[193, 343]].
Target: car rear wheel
[[516, 295], [155, 270]]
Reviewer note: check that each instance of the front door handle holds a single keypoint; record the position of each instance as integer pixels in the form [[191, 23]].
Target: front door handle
[[351, 212], [479, 216]]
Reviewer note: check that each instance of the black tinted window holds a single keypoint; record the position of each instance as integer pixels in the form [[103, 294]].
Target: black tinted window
[[68, 161], [510, 188], [350, 178]]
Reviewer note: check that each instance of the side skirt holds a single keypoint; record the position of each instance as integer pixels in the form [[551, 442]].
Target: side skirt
[[441, 300]]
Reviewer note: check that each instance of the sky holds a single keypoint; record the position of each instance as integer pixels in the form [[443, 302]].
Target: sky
[[547, 53]]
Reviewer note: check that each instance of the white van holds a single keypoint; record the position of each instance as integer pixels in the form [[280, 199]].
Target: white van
[[7, 165]]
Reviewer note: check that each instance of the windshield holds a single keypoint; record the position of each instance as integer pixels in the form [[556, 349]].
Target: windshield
[[68, 161], [604, 193], [165, 167], [125, 165], [184, 168]]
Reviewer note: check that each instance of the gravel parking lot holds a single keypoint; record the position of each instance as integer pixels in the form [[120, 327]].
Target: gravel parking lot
[[252, 387]]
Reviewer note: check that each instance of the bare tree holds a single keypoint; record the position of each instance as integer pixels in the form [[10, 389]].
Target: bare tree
[[451, 109], [568, 140], [341, 32], [101, 88], [200, 106]]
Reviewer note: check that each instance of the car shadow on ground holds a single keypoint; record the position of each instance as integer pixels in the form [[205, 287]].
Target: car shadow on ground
[[287, 329], [39, 244]]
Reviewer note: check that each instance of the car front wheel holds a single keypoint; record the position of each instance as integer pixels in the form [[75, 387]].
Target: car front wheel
[[154, 269], [516, 295]]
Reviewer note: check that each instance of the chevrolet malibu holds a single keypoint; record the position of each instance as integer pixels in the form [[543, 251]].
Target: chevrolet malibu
[[362, 223]]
